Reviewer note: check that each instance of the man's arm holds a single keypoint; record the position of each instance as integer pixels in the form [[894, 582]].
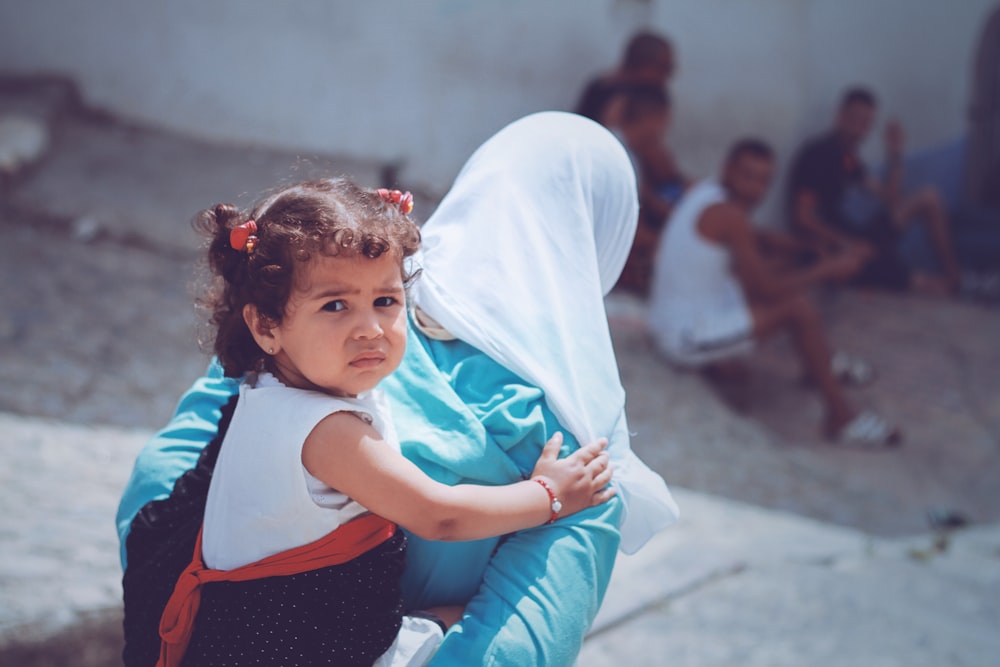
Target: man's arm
[[889, 190], [810, 173], [728, 225], [806, 217], [781, 243]]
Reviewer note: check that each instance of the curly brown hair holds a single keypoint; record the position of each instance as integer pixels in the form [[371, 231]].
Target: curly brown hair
[[332, 217]]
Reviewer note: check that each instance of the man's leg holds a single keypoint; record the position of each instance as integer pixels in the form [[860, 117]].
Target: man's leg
[[798, 316], [926, 205]]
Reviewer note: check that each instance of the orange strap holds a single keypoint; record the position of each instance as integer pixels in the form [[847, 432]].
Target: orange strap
[[343, 544]]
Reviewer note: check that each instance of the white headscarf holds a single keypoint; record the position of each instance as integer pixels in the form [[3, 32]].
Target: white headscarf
[[516, 262]]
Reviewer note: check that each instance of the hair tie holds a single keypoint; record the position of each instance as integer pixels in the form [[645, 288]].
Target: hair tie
[[243, 237], [404, 200]]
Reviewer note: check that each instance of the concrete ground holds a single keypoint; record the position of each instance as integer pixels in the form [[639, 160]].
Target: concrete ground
[[790, 551]]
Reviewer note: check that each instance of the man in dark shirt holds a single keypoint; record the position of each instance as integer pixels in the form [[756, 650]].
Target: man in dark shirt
[[833, 200]]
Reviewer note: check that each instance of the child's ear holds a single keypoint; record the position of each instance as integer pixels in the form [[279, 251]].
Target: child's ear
[[259, 329]]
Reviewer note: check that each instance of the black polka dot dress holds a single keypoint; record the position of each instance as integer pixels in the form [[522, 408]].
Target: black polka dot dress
[[346, 614]]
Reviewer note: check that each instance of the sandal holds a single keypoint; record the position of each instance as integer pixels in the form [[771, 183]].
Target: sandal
[[851, 370], [868, 430]]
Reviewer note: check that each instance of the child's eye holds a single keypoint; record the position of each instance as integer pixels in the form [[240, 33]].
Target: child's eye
[[334, 306], [385, 301]]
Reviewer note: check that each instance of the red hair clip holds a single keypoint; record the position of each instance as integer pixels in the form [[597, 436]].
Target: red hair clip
[[243, 237], [402, 199]]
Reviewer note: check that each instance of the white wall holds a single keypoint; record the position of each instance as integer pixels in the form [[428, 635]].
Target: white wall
[[740, 73], [424, 81], [916, 55]]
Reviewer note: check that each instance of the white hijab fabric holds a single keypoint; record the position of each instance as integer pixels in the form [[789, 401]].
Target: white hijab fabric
[[516, 262]]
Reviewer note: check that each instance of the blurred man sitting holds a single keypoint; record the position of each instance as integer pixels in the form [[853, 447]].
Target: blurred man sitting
[[833, 199]]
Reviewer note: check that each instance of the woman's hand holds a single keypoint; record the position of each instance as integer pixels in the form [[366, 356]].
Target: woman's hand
[[581, 479]]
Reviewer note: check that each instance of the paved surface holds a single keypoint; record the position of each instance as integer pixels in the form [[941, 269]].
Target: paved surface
[[759, 441], [790, 551]]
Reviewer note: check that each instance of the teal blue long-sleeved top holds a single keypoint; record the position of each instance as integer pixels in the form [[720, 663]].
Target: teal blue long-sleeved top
[[461, 417]]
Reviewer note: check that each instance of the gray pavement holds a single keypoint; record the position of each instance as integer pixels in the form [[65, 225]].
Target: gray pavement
[[789, 551]]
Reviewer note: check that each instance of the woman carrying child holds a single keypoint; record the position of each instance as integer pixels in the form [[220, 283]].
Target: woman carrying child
[[311, 312], [507, 345]]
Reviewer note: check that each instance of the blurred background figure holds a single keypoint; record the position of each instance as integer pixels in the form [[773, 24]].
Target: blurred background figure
[[835, 201], [982, 174], [977, 214], [648, 59], [642, 121], [633, 100]]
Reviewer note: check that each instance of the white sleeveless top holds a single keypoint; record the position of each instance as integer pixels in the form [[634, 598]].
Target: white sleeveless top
[[262, 500], [697, 311]]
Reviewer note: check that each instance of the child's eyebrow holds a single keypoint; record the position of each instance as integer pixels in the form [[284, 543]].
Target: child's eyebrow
[[332, 292], [345, 290]]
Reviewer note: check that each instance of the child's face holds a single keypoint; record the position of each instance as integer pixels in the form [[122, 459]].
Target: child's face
[[344, 327]]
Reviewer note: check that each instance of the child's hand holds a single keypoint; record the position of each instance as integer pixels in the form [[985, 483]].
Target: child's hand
[[581, 479]]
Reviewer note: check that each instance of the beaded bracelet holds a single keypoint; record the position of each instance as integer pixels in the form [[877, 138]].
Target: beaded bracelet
[[556, 505]]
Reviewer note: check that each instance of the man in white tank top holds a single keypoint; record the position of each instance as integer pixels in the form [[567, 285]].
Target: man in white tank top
[[715, 291]]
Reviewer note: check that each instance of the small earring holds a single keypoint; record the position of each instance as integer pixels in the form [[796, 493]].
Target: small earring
[[270, 350]]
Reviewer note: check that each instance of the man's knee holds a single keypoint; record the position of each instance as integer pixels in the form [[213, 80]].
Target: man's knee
[[794, 310], [928, 199], [804, 307]]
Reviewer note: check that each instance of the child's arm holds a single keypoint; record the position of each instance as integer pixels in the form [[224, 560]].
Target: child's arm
[[349, 455]]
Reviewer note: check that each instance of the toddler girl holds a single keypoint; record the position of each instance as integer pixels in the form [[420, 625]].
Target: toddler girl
[[310, 307]]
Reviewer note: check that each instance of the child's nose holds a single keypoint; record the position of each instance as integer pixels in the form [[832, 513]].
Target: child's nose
[[368, 326]]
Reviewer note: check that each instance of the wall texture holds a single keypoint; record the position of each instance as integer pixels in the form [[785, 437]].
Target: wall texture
[[425, 81]]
